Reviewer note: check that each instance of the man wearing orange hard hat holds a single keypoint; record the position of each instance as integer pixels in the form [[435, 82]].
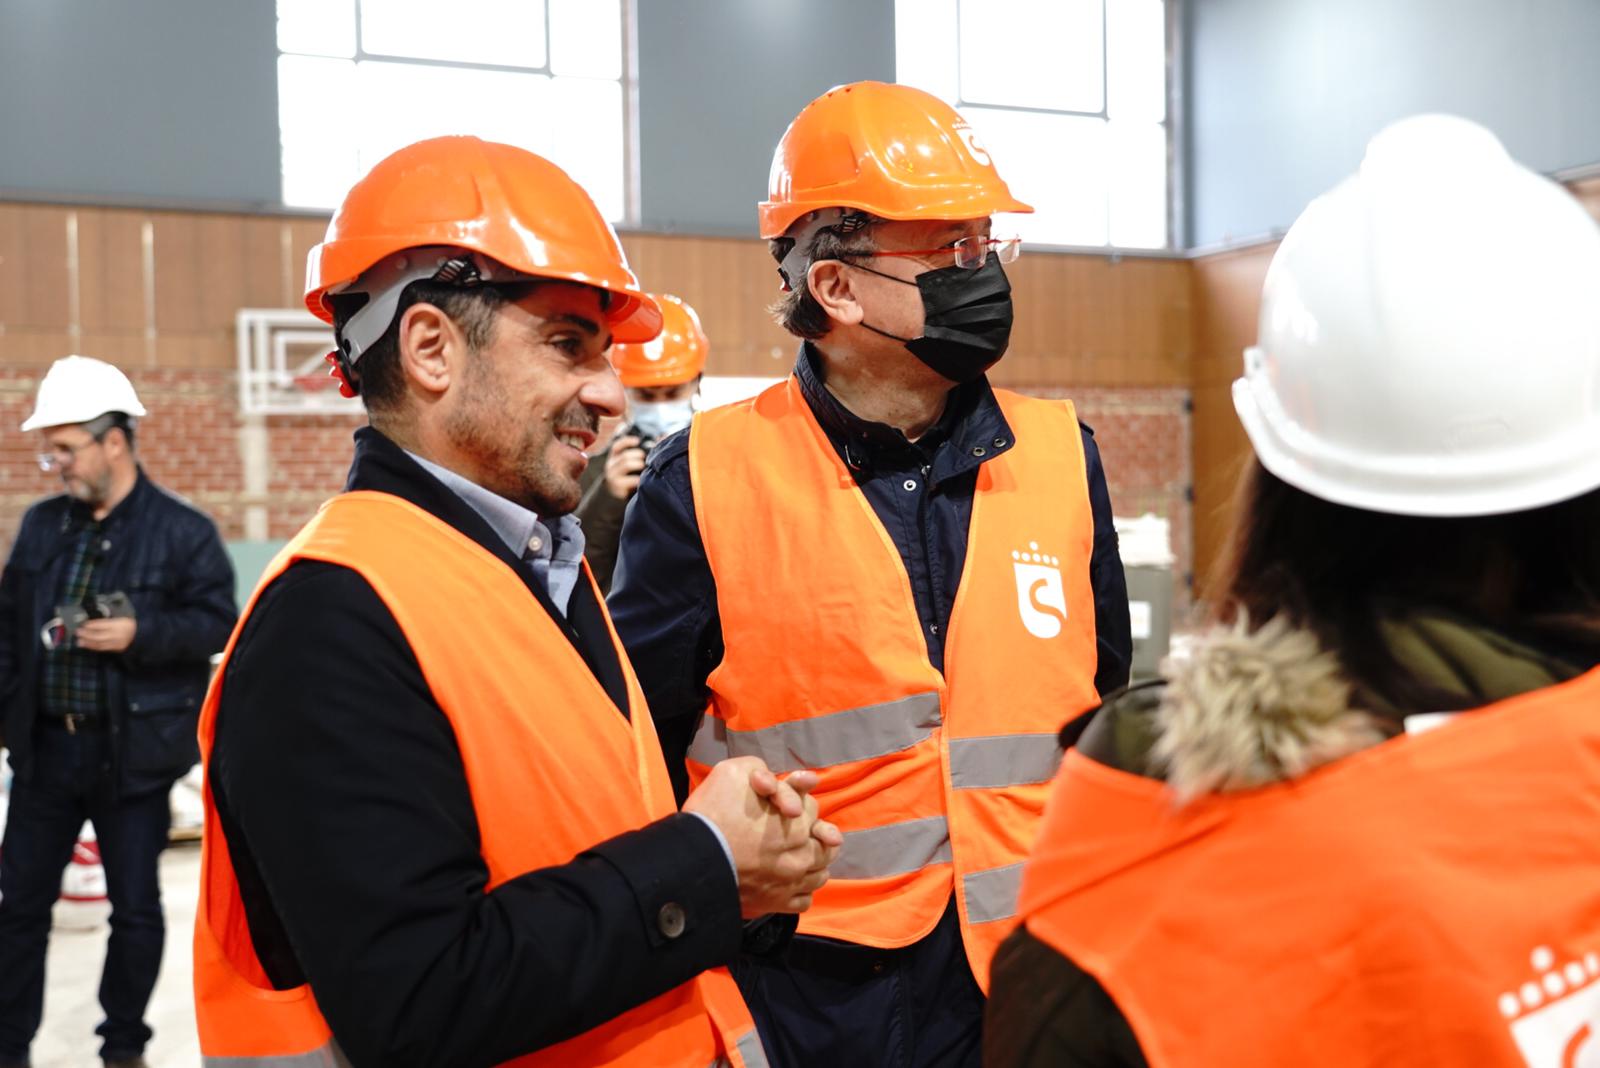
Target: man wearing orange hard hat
[[438, 827], [662, 379], [886, 571]]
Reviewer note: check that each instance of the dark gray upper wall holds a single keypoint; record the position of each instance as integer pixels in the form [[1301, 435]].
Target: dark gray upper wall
[[173, 100], [719, 82], [1282, 95]]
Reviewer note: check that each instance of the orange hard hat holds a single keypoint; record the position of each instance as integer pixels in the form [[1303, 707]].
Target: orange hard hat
[[889, 150], [677, 355], [471, 210]]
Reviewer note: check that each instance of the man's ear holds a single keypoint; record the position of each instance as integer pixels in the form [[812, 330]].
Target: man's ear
[[117, 438], [831, 287], [432, 348]]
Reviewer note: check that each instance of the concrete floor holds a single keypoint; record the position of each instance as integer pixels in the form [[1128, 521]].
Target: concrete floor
[[77, 950]]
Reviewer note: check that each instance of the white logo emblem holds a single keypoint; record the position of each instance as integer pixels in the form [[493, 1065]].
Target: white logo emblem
[[1040, 599], [969, 137], [1555, 1018]]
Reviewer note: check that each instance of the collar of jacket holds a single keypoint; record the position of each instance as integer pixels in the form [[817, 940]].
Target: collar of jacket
[[79, 514], [972, 424], [383, 467], [1258, 705]]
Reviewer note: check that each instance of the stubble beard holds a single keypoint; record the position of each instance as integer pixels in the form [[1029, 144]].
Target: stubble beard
[[515, 452]]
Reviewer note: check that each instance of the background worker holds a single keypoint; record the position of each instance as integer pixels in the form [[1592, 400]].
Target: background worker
[[886, 570], [1270, 858], [662, 379], [113, 600], [440, 830]]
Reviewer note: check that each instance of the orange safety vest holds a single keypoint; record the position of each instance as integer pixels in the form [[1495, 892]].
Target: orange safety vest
[[1432, 900], [545, 787], [938, 781]]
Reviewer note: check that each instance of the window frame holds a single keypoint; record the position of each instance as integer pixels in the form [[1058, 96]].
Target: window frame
[[1171, 123], [628, 80]]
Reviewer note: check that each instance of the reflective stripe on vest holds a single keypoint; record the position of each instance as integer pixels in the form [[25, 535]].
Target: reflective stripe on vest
[[833, 738], [548, 779], [937, 780], [327, 1056], [1432, 900]]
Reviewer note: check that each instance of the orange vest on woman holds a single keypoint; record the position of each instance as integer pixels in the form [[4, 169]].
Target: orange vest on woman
[[547, 779], [1434, 900], [938, 781]]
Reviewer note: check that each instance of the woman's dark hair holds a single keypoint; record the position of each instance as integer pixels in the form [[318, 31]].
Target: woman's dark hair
[[1339, 571]]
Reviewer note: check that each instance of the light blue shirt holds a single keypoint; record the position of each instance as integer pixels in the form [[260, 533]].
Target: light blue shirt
[[553, 551]]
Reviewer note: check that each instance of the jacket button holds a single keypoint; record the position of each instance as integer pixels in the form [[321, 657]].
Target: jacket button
[[999, 443], [671, 921]]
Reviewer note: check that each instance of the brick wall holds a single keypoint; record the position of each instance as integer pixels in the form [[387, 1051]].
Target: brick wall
[[191, 444], [1144, 441]]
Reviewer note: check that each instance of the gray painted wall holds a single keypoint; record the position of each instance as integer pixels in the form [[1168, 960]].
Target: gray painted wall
[[155, 99], [1282, 95], [176, 100], [719, 82]]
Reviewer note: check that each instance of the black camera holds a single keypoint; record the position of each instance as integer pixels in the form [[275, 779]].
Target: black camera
[[646, 441], [61, 631]]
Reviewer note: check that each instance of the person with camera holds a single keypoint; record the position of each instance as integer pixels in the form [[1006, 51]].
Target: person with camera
[[662, 380], [115, 596]]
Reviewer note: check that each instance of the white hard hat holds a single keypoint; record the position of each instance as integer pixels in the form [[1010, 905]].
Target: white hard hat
[[1430, 334], [77, 389]]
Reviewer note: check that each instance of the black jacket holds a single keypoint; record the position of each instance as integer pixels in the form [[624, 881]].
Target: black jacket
[[601, 515], [347, 811], [170, 561], [664, 600]]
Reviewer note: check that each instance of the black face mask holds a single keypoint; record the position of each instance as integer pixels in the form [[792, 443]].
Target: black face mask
[[966, 318]]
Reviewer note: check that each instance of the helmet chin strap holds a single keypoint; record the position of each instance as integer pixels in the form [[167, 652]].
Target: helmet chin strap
[[885, 333], [892, 278]]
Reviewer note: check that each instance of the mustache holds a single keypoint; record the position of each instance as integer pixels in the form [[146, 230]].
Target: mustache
[[579, 417]]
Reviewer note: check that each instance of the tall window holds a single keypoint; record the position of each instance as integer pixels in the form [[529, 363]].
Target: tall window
[[1070, 97], [358, 79]]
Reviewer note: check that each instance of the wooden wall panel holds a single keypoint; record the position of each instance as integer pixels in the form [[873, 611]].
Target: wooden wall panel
[[111, 271], [1227, 299], [34, 273]]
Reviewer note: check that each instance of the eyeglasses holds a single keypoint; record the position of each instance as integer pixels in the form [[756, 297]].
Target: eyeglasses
[[62, 455], [970, 252]]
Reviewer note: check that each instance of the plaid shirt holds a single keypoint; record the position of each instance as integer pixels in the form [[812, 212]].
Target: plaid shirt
[[72, 681]]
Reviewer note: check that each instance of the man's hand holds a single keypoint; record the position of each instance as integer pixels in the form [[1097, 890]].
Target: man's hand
[[781, 851], [623, 466], [106, 635]]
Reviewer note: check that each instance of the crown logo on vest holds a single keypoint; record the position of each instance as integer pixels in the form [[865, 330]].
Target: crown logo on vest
[[1555, 1016], [1041, 600]]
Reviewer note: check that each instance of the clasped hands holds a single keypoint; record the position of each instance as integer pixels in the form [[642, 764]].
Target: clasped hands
[[781, 851]]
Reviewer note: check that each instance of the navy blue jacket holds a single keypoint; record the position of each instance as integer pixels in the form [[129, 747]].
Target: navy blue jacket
[[169, 559], [664, 600]]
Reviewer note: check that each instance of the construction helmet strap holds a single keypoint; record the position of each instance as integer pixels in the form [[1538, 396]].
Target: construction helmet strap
[[796, 256], [384, 282]]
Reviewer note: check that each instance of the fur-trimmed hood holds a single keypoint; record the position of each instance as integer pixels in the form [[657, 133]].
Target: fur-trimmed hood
[[1251, 708]]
